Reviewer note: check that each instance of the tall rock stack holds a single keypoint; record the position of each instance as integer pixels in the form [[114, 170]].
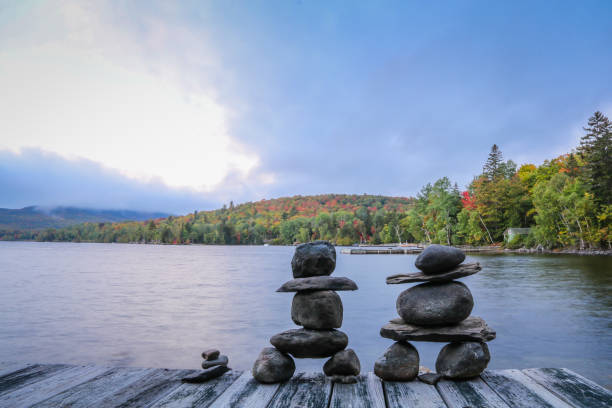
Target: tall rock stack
[[318, 309], [437, 310]]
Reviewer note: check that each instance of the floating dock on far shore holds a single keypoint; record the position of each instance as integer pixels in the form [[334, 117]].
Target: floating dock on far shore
[[407, 249]]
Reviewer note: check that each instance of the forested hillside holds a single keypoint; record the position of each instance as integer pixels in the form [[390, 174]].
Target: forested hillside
[[566, 201]]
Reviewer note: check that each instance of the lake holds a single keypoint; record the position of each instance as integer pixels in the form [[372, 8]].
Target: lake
[[161, 306]]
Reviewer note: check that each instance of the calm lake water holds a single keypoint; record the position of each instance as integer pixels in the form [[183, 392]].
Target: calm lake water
[[160, 306]]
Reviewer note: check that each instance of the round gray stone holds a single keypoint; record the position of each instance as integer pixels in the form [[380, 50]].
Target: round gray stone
[[306, 343], [272, 366], [435, 304], [317, 310], [463, 360], [344, 362], [316, 258], [439, 258], [399, 363]]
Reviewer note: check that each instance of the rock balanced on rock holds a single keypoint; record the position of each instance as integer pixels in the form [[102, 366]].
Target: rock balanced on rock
[[436, 310], [318, 309]]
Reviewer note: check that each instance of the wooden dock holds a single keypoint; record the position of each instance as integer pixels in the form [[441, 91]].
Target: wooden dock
[[61, 385]]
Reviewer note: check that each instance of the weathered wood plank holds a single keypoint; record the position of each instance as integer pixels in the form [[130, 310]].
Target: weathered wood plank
[[469, 393], [520, 390], [90, 392], [367, 393], [147, 390], [303, 390], [28, 375], [246, 392], [413, 394], [197, 395], [10, 367], [571, 387], [41, 390]]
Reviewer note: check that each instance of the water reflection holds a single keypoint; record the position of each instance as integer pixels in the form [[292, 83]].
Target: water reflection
[[161, 305]]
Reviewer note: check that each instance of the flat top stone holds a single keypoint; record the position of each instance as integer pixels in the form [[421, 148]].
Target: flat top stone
[[458, 272], [318, 283], [473, 328]]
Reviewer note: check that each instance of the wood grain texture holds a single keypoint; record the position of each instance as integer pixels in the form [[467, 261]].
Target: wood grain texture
[[147, 390], [38, 391], [571, 387], [469, 393], [198, 395], [519, 390], [89, 393], [7, 367], [413, 394], [246, 392], [29, 375], [367, 393], [303, 390]]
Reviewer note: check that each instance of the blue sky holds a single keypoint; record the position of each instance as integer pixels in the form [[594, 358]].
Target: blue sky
[[177, 106]]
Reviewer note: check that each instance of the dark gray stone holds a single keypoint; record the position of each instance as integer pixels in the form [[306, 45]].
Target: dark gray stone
[[272, 366], [207, 374], [210, 354], [430, 378], [435, 304], [439, 258], [316, 258], [221, 360], [471, 329], [344, 362], [399, 363], [344, 379], [306, 343], [318, 283], [455, 273], [317, 310], [463, 360]]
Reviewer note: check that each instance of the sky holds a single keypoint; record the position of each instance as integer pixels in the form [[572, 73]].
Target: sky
[[177, 106]]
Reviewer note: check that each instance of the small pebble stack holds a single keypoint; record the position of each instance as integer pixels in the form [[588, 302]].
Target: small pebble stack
[[318, 309], [214, 365], [437, 310]]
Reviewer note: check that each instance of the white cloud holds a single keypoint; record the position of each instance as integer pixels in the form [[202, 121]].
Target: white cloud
[[78, 83]]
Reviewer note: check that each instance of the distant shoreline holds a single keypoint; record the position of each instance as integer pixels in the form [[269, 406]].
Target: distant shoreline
[[468, 250]]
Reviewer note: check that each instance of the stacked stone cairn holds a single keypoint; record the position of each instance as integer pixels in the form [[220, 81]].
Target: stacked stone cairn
[[318, 309], [438, 311], [213, 366]]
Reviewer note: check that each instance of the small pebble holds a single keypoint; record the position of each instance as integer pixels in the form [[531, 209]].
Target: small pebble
[[222, 360], [211, 354], [430, 378]]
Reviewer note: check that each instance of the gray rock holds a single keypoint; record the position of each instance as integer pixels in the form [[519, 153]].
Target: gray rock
[[207, 374], [317, 310], [272, 366], [455, 273], [306, 343], [344, 379], [399, 363], [430, 378], [435, 304], [344, 362], [318, 283], [463, 360], [221, 360], [316, 258], [211, 354], [471, 329], [439, 258]]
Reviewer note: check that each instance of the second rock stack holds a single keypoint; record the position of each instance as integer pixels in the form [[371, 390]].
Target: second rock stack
[[318, 309]]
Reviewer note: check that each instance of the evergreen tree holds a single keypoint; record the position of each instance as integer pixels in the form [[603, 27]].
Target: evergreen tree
[[595, 149], [493, 164]]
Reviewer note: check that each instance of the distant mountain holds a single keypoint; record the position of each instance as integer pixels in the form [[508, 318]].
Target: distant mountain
[[35, 218]]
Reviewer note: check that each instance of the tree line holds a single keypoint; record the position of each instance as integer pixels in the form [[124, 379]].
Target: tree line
[[565, 201]]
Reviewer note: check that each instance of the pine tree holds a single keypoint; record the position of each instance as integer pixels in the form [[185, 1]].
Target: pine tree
[[492, 168], [595, 149]]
